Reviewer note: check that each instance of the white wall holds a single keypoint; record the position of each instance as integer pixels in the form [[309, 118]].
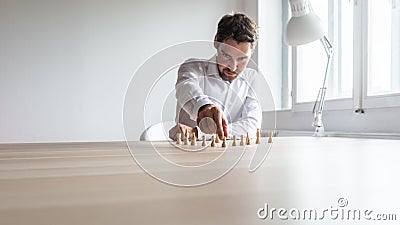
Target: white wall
[[65, 64], [270, 59]]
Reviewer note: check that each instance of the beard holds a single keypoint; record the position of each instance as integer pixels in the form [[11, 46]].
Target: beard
[[227, 74]]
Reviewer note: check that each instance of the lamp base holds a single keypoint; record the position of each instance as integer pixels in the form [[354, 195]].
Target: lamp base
[[319, 132]]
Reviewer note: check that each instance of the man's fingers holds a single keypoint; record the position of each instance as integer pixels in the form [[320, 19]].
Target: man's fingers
[[181, 128], [203, 114], [225, 126], [204, 111], [218, 121], [215, 114], [190, 130]]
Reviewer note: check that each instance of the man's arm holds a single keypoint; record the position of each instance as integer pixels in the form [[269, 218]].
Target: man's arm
[[191, 98], [247, 123], [251, 117]]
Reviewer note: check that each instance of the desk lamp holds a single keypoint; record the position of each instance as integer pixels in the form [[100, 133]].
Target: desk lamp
[[305, 27]]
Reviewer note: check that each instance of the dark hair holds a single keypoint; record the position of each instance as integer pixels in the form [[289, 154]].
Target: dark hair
[[237, 26]]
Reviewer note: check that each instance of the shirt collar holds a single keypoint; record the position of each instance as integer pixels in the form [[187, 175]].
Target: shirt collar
[[212, 68]]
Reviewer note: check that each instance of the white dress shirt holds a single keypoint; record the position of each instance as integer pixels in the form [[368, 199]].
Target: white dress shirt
[[199, 83]]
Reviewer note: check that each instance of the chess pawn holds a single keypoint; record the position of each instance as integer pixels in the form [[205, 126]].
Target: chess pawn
[[248, 139], [178, 138], [213, 141], [241, 140], [224, 143], [217, 139], [204, 141], [234, 140], [269, 137], [194, 139], [258, 136], [186, 140]]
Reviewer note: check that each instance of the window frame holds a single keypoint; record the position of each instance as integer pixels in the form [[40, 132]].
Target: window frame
[[375, 101], [359, 98]]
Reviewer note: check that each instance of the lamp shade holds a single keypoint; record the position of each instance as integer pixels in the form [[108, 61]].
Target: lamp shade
[[304, 26]]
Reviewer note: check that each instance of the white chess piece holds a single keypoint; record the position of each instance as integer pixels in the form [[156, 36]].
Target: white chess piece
[[224, 143], [213, 141], [241, 140], [178, 138], [258, 136], [194, 139], [217, 140], [269, 137], [248, 139]]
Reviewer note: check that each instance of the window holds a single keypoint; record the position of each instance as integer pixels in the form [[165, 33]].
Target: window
[[365, 69], [383, 36], [312, 58]]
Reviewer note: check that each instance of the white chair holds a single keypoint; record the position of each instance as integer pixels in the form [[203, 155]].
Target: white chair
[[157, 132]]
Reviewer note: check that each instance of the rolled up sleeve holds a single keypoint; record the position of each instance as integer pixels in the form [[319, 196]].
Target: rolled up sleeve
[[189, 94]]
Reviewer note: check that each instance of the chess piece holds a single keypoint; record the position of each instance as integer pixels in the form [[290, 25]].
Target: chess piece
[[178, 138], [194, 139], [248, 139], [186, 133], [234, 140], [269, 137], [213, 141], [204, 141], [217, 139], [258, 136], [241, 140], [224, 143], [186, 140]]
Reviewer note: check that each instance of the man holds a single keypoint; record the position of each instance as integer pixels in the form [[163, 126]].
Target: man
[[216, 95]]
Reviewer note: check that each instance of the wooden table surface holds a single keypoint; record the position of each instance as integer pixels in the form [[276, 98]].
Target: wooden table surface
[[100, 183]]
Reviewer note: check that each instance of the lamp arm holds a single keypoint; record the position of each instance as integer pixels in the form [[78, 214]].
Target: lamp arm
[[329, 52], [319, 102]]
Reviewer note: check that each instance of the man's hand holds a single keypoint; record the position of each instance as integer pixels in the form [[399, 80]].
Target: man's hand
[[183, 128], [217, 116]]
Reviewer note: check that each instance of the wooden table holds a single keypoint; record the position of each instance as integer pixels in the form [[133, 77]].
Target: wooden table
[[100, 183]]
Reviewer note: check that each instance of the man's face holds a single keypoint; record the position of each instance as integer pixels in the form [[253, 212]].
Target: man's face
[[232, 58]]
